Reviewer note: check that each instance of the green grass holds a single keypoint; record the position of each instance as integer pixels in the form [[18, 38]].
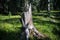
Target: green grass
[[50, 11], [10, 27]]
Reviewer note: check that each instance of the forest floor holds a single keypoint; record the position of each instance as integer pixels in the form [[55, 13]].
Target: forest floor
[[10, 26]]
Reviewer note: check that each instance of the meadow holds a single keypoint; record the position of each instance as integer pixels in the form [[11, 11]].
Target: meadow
[[10, 26]]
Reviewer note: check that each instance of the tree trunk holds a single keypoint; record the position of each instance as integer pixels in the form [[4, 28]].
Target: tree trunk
[[28, 27], [48, 8]]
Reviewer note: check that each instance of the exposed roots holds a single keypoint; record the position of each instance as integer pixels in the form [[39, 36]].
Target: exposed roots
[[37, 34], [26, 33]]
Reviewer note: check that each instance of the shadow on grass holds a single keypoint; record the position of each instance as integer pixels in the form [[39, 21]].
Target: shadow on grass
[[9, 35], [41, 22], [45, 14], [47, 38], [56, 30], [18, 20], [16, 35], [11, 21]]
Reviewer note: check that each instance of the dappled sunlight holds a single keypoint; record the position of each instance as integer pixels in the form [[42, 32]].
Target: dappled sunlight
[[9, 27], [46, 26], [42, 18], [12, 27], [8, 17], [10, 24], [29, 19]]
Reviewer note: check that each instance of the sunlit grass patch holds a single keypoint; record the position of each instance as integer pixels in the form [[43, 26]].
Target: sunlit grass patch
[[8, 17], [9, 27], [43, 24], [11, 23], [47, 30]]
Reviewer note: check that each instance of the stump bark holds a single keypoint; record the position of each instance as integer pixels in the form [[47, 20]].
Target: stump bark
[[27, 21]]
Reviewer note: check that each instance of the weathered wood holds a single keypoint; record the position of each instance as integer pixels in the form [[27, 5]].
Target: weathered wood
[[27, 22]]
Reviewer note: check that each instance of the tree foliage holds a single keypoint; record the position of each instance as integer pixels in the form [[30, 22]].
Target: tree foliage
[[14, 6]]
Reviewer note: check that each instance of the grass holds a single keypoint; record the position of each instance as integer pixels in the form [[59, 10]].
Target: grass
[[10, 27], [50, 11]]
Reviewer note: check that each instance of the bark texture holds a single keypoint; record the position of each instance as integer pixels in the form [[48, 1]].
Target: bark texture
[[28, 27]]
